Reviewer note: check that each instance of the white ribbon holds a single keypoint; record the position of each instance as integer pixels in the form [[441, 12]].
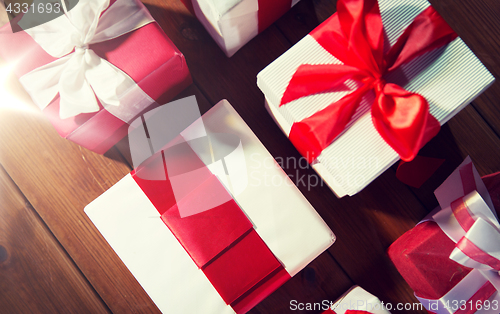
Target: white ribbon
[[459, 295], [483, 233], [79, 75]]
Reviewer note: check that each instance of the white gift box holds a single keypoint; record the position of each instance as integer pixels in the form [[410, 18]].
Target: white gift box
[[282, 217], [231, 23], [359, 299], [449, 78]]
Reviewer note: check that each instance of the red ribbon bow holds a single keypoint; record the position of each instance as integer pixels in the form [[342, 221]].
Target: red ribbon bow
[[355, 36]]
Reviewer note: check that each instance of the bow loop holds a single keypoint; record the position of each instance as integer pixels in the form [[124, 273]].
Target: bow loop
[[75, 91], [427, 32], [73, 29], [397, 113], [480, 247], [363, 31], [312, 79]]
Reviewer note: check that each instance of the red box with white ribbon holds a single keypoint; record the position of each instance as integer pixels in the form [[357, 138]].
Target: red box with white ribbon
[[94, 70], [451, 259], [200, 227]]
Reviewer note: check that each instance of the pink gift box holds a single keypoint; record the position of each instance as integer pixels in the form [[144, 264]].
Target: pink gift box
[[147, 55]]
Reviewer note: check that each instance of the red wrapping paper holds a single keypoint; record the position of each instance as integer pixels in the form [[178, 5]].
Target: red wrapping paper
[[221, 241], [147, 55], [421, 255], [271, 11]]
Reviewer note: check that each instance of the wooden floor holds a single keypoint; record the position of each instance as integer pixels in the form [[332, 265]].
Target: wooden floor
[[53, 260]]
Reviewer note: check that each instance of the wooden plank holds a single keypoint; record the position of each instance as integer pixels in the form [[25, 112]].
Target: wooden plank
[[466, 134], [304, 17], [303, 287], [214, 74], [477, 23], [59, 179], [36, 274]]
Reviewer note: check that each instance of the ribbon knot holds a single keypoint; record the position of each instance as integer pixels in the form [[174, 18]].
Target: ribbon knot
[[81, 49], [377, 85], [355, 37]]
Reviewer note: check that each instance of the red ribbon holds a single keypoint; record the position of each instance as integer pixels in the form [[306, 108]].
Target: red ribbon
[[221, 241], [354, 35]]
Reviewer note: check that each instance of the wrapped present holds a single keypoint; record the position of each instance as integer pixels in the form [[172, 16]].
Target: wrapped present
[[451, 259], [210, 223], [233, 23], [371, 84], [94, 69], [357, 301]]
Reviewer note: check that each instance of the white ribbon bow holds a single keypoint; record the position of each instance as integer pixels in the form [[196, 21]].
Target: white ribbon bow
[[79, 75], [477, 224], [483, 230]]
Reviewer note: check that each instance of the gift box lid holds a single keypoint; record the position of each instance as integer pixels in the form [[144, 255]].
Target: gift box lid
[[100, 130], [449, 78], [281, 216]]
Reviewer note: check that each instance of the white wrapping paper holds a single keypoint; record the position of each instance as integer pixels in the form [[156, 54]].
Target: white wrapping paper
[[283, 218], [359, 299], [231, 23], [359, 155]]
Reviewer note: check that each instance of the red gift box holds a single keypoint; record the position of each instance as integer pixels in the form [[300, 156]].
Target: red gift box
[[423, 254], [146, 54]]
